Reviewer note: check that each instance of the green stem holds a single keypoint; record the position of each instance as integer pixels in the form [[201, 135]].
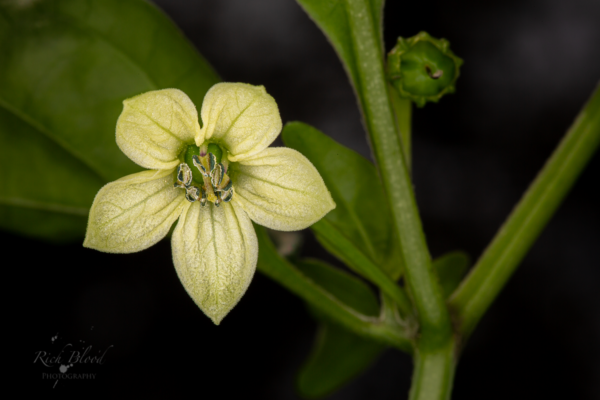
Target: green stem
[[359, 262], [434, 361], [477, 292], [379, 118], [433, 373], [403, 111], [280, 270]]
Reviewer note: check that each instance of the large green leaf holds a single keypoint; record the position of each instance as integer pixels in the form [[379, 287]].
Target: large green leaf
[[331, 16], [361, 214], [44, 191], [66, 67]]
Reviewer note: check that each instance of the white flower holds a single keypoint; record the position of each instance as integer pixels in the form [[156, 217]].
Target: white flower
[[215, 180]]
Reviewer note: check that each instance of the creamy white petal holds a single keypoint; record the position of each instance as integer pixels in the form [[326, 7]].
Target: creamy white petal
[[154, 127], [134, 212], [215, 250], [241, 117], [280, 189]]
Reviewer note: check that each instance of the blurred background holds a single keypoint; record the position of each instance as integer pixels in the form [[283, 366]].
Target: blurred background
[[529, 67]]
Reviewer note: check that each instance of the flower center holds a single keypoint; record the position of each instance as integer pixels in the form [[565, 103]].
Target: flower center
[[203, 175]]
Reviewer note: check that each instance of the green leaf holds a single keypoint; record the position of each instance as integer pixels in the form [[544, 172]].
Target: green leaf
[[361, 215], [338, 354], [67, 66], [346, 288], [450, 269], [332, 17], [40, 195], [337, 357]]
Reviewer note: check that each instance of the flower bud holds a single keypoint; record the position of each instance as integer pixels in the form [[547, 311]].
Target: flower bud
[[423, 68]]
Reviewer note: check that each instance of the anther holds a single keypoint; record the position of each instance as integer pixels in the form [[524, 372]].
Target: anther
[[198, 164], [192, 193], [184, 175], [227, 196], [216, 175], [228, 184], [212, 162]]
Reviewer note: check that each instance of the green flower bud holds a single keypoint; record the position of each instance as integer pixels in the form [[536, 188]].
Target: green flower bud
[[423, 68]]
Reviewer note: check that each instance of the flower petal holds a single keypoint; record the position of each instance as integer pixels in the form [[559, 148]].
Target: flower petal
[[241, 117], [215, 252], [280, 189], [134, 212], [155, 126]]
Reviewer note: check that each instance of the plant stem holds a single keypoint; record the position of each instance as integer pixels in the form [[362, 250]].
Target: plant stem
[[434, 362], [477, 292], [433, 373], [403, 111], [379, 118], [280, 270]]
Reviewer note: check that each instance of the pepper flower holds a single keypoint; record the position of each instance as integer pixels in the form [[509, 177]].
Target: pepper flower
[[216, 180]]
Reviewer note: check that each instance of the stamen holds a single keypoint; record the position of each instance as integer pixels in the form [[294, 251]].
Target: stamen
[[216, 175], [198, 164], [227, 196], [226, 184], [192, 193], [210, 190], [212, 162], [184, 174], [203, 199]]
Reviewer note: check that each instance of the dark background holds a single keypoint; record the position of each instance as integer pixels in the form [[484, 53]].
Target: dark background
[[529, 67]]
